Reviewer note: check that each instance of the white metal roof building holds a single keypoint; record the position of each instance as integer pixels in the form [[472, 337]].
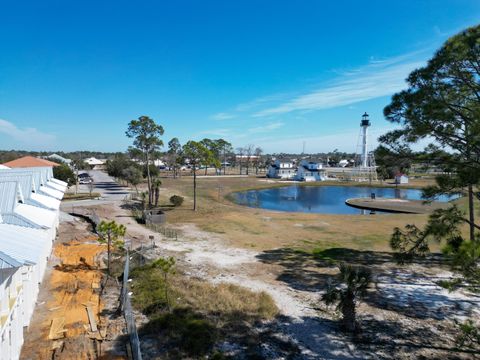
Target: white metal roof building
[[92, 161], [14, 211], [29, 213], [56, 157], [23, 257], [30, 192], [27, 246], [42, 180]]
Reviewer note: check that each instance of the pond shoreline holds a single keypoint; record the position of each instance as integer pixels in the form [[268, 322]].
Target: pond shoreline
[[331, 199], [395, 206]]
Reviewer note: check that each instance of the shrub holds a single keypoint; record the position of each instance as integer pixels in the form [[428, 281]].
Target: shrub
[[176, 200], [64, 173]]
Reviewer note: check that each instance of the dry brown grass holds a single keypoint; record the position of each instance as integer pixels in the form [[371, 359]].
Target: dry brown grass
[[263, 229], [223, 299]]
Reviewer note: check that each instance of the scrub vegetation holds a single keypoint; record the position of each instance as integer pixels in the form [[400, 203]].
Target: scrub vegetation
[[187, 316]]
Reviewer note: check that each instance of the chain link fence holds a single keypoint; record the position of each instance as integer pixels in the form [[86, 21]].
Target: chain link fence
[[128, 313]]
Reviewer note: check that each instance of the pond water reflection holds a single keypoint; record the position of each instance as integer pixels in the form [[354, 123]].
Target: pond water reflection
[[319, 199]]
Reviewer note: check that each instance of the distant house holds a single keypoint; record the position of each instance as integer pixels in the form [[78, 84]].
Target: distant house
[[246, 157], [95, 163], [30, 161], [159, 163], [401, 179], [310, 171], [59, 158], [282, 170]]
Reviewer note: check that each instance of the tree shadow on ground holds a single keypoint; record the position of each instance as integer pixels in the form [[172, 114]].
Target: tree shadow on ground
[[132, 205], [387, 337], [313, 271], [185, 333], [419, 297], [109, 185], [409, 291]]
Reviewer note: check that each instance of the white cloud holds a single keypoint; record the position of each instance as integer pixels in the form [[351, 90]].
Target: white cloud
[[378, 78], [29, 136], [223, 116], [215, 132], [249, 106], [266, 128]]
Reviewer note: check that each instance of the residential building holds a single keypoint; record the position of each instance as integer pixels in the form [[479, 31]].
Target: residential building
[[282, 170], [401, 179], [29, 213], [310, 171], [58, 158], [29, 162]]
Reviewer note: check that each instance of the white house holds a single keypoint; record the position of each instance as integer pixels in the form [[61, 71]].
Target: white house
[[401, 179], [282, 170], [58, 158], [95, 163], [310, 171]]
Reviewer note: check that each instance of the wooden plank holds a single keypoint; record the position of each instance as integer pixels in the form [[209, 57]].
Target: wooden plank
[[91, 319], [57, 344], [57, 330]]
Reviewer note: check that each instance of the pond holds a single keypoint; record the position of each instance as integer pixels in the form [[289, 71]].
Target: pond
[[320, 199]]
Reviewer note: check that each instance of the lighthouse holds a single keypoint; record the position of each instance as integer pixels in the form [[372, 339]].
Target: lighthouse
[[364, 124]]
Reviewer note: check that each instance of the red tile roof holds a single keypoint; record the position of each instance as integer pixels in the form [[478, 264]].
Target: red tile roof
[[29, 161]]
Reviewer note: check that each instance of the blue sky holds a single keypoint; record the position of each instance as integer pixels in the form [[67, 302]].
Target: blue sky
[[269, 73]]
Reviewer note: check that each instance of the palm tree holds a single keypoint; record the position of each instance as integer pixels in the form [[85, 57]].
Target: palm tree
[[156, 189], [143, 197], [357, 279]]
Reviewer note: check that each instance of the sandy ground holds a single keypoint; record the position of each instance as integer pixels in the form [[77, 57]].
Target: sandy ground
[[72, 283]]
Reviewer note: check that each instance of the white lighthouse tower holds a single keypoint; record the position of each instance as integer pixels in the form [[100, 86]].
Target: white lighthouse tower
[[365, 169], [364, 124]]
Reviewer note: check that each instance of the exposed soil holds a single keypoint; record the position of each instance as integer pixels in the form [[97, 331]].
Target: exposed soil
[[71, 285]]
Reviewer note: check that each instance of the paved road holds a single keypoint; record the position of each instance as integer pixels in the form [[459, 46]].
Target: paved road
[[109, 190]]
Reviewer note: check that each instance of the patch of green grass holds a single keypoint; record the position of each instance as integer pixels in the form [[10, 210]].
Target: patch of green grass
[[213, 228], [450, 285], [316, 228], [322, 254], [81, 196]]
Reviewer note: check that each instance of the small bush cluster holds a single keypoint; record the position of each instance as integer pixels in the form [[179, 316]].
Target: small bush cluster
[[176, 200]]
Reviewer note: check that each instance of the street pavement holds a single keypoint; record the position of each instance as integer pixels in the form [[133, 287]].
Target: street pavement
[[110, 191]]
